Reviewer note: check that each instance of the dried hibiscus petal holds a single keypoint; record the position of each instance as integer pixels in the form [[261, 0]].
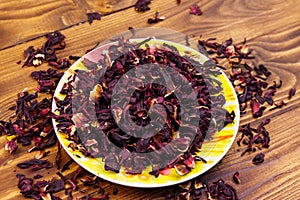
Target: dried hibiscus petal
[[156, 19], [195, 10], [11, 146], [93, 16], [35, 164], [236, 177], [257, 110], [25, 184], [142, 5], [292, 93], [140, 106], [279, 104], [132, 30], [259, 158], [35, 57]]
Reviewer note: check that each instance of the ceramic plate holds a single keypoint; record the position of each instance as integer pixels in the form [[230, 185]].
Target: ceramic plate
[[213, 149]]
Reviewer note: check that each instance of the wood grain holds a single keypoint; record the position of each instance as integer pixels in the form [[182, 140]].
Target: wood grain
[[272, 29], [24, 20]]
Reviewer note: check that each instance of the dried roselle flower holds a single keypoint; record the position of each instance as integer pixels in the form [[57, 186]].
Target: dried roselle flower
[[292, 93], [35, 164], [67, 165], [259, 158], [254, 137], [236, 177], [62, 63], [132, 30], [195, 10], [55, 186], [53, 197], [279, 104], [257, 110], [34, 57], [41, 154], [91, 49], [269, 96], [275, 85], [142, 5], [198, 158], [55, 41], [156, 19], [93, 16], [11, 146], [182, 169]]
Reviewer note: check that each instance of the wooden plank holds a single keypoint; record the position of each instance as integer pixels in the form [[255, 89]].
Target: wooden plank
[[275, 43], [26, 19]]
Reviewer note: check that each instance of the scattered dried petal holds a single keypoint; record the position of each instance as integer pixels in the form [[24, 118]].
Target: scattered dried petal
[[292, 93], [195, 10], [236, 177], [35, 164], [156, 19], [93, 16], [11, 146], [279, 104], [142, 5], [259, 158]]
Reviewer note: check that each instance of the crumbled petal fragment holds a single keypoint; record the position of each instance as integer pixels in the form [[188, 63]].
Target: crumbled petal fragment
[[35, 164], [236, 177], [142, 5], [47, 53], [11, 146], [93, 16], [259, 158], [292, 92], [195, 10], [156, 19]]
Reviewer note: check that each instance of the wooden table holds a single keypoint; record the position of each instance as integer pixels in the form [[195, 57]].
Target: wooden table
[[272, 28]]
